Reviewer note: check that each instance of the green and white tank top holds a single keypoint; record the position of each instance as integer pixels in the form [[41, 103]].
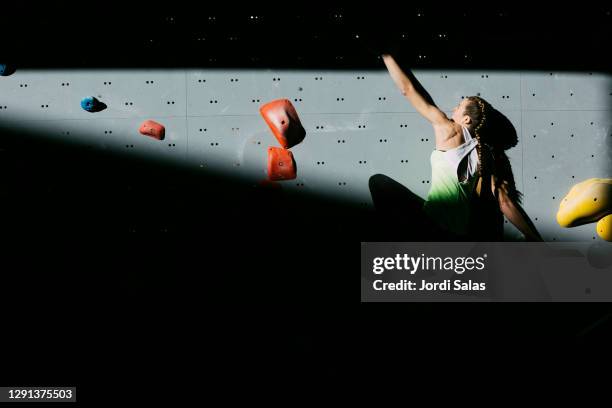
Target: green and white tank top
[[453, 175]]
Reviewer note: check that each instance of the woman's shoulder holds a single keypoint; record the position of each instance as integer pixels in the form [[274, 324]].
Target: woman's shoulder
[[449, 136]]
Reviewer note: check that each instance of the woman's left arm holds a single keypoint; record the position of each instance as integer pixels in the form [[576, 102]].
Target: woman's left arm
[[517, 216], [422, 105]]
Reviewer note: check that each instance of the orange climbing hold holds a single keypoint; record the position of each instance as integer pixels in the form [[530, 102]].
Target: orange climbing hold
[[284, 122], [281, 165], [153, 129]]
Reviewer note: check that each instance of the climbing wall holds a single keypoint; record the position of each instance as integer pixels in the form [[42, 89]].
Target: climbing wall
[[357, 124]]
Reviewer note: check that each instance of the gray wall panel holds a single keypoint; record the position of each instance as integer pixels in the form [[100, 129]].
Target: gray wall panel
[[357, 123]]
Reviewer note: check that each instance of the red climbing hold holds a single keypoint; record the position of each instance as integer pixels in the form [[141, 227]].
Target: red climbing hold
[[153, 129], [281, 165], [283, 119]]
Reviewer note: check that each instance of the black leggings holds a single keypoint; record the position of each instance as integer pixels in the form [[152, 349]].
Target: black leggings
[[401, 214]]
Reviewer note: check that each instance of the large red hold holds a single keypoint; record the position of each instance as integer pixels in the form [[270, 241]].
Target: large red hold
[[153, 129], [284, 122], [281, 165]]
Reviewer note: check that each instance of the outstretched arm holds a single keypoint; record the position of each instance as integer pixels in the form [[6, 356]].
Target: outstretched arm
[[418, 98], [517, 216]]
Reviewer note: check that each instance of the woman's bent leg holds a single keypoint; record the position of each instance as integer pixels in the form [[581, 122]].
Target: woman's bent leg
[[401, 212]]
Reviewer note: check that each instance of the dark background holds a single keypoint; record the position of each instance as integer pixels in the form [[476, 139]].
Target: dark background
[[100, 288]]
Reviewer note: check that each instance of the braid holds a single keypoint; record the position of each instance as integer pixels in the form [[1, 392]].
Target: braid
[[477, 132], [479, 150], [486, 219]]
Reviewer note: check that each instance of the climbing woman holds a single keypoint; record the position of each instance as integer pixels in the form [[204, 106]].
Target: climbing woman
[[472, 185]]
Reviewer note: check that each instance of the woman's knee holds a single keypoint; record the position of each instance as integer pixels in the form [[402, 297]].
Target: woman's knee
[[377, 182]]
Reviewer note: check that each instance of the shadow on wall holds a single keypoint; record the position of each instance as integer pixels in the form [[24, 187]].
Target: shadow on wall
[[57, 186], [70, 186], [52, 186]]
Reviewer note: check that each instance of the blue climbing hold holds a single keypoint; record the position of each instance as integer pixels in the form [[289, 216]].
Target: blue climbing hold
[[91, 104], [5, 70]]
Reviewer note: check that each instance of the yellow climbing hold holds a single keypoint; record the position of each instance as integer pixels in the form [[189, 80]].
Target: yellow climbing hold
[[604, 228], [586, 202]]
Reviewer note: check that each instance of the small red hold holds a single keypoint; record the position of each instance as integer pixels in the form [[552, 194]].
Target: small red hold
[[153, 129], [281, 165], [284, 122]]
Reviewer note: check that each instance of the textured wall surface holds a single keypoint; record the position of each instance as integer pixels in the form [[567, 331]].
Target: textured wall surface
[[357, 123]]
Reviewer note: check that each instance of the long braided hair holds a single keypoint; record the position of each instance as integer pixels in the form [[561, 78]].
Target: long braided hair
[[481, 122], [495, 134]]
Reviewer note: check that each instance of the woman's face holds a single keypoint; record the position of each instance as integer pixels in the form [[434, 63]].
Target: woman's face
[[458, 115]]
